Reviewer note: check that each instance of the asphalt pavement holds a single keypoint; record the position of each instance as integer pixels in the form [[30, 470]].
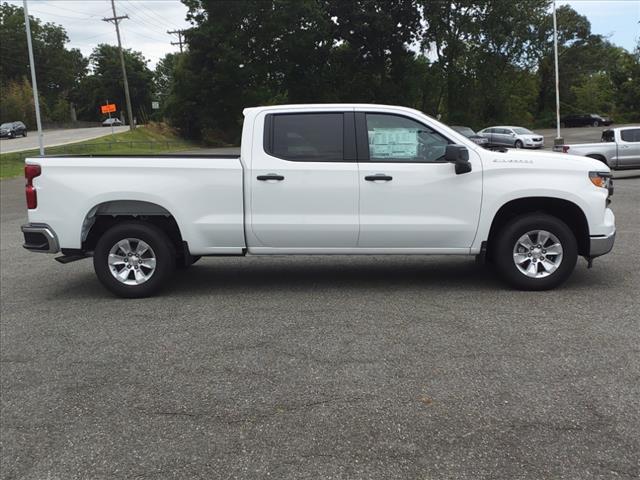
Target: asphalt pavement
[[53, 138], [320, 367]]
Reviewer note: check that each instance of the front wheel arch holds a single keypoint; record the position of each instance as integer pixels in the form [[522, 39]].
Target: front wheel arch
[[565, 210]]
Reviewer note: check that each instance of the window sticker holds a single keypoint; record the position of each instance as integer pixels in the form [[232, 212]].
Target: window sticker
[[393, 142]]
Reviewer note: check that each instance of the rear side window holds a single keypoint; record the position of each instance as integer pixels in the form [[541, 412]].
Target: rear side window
[[607, 136], [631, 135], [305, 137]]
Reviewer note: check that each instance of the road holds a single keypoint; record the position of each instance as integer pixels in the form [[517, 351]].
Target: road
[[53, 138], [320, 367]]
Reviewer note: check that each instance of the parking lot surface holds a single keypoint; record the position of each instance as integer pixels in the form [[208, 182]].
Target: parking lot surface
[[320, 367]]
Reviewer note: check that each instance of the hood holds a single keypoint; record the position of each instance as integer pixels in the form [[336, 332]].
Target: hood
[[546, 160]]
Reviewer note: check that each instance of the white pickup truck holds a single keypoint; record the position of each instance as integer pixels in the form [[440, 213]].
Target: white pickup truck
[[323, 179], [619, 148]]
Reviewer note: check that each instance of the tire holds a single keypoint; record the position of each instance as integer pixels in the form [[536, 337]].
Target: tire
[[510, 247], [518, 144], [142, 281], [596, 123], [24, 134]]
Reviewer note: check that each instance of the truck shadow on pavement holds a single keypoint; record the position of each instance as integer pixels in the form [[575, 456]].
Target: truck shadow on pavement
[[216, 275]]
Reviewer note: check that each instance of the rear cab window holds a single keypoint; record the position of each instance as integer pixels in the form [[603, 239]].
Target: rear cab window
[[608, 136], [308, 137]]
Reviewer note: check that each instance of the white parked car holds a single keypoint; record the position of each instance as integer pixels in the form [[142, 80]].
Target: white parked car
[[343, 179], [516, 137], [113, 121]]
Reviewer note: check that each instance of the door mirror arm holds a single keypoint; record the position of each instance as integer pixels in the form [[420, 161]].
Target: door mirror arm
[[459, 156]]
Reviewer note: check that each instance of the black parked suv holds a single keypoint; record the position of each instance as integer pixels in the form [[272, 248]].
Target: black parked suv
[[589, 120], [471, 135], [13, 129]]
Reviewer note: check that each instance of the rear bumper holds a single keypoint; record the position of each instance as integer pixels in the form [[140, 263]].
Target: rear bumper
[[601, 245], [40, 237]]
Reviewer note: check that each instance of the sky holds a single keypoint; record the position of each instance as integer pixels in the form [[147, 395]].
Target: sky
[[149, 20]]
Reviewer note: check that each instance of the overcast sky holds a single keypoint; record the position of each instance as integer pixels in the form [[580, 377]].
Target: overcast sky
[[149, 20]]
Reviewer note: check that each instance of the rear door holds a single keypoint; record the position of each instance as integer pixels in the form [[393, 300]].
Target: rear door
[[629, 148], [304, 180], [410, 197]]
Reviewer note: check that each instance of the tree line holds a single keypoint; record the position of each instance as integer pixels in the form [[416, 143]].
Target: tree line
[[471, 62]]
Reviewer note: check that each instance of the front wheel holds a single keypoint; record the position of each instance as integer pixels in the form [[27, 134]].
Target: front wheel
[[24, 134], [535, 252], [518, 144], [134, 259], [596, 123]]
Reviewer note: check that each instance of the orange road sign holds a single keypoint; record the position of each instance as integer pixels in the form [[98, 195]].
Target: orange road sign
[[108, 108]]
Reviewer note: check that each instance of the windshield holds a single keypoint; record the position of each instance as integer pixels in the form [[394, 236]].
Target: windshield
[[522, 131], [466, 131], [6, 125]]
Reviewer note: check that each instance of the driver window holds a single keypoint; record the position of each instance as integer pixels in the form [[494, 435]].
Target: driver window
[[393, 138]]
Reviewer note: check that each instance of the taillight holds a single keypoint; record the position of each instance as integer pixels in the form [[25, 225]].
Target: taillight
[[31, 172], [565, 148]]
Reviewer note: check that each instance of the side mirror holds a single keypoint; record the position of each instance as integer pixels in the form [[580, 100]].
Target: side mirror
[[458, 155]]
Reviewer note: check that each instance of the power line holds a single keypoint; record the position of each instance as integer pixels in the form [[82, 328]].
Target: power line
[[116, 19], [179, 33]]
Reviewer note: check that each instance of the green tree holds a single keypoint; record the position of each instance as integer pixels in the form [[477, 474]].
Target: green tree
[[59, 70], [105, 83]]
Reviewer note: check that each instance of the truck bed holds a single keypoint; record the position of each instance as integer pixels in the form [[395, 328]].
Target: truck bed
[[202, 192]]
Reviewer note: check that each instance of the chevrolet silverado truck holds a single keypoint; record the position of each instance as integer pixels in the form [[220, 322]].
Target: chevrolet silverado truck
[[342, 179], [619, 148]]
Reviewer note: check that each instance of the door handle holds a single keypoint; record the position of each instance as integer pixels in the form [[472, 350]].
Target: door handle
[[379, 176], [270, 176]]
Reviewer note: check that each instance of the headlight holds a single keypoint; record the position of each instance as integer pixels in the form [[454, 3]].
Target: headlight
[[600, 179]]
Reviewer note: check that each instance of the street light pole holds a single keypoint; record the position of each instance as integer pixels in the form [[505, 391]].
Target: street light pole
[[34, 84], [555, 54]]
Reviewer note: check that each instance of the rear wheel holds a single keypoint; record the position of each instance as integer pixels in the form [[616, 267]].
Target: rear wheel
[[535, 252], [24, 134], [600, 158], [134, 259]]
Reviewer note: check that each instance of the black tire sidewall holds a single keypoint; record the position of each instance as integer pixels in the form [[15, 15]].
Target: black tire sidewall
[[512, 231], [159, 242], [518, 142]]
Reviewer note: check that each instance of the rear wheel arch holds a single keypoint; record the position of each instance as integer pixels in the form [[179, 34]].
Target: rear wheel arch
[[565, 210], [105, 215]]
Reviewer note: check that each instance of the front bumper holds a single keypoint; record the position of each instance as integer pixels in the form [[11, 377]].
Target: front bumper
[[601, 245], [40, 237]]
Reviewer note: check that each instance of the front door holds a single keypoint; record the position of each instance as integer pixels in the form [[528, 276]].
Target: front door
[[304, 182], [409, 196]]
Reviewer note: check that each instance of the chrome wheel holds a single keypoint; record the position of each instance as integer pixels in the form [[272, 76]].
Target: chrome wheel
[[537, 253], [132, 261]]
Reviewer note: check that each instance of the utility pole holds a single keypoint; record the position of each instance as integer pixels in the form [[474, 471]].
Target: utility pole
[[558, 140], [34, 84], [115, 19], [179, 33]]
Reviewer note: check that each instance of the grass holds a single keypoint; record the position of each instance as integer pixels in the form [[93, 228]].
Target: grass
[[153, 138]]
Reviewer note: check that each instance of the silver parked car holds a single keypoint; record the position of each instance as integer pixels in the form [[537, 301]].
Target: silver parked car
[[517, 137]]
